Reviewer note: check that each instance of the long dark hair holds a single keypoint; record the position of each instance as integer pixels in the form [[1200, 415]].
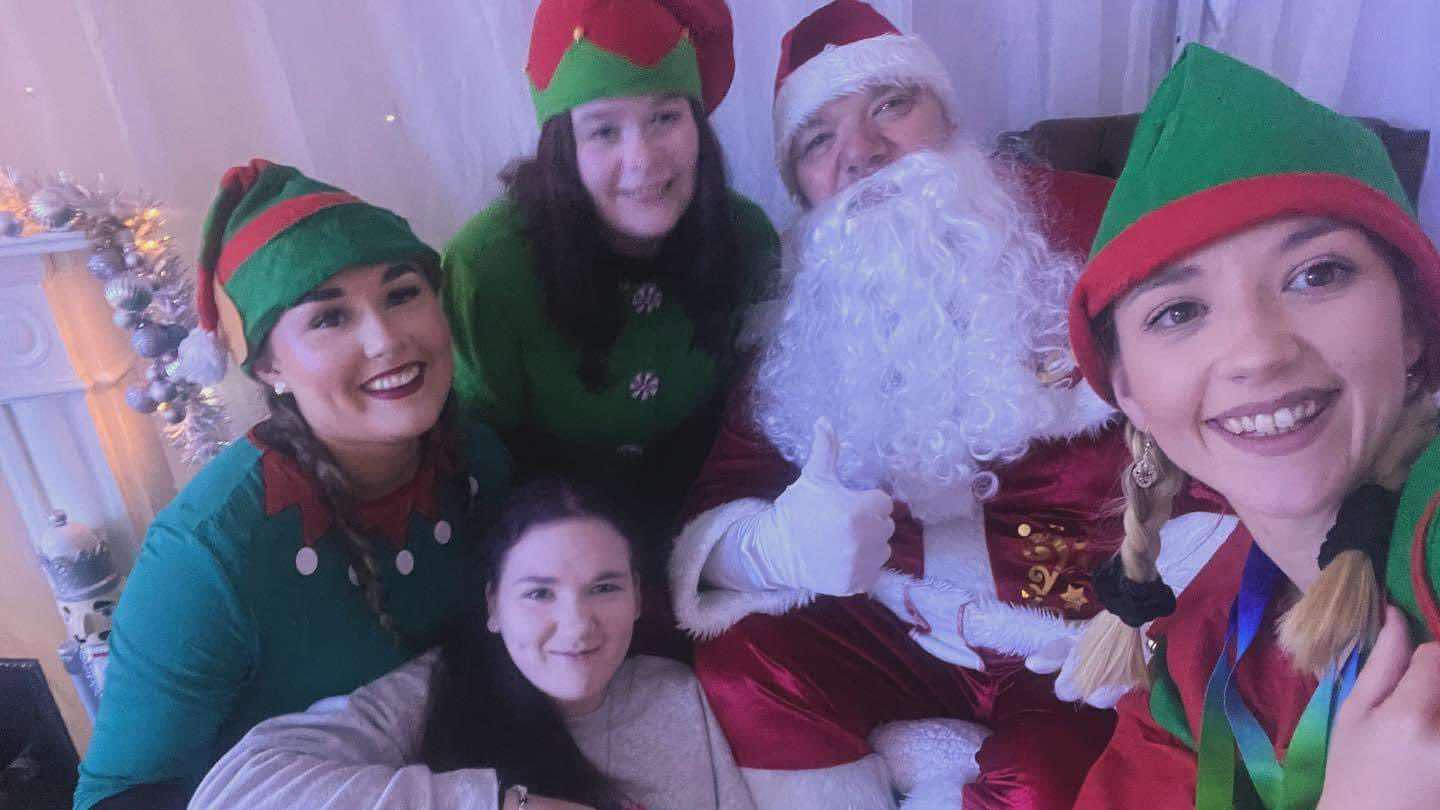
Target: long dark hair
[[567, 237], [483, 712], [286, 431]]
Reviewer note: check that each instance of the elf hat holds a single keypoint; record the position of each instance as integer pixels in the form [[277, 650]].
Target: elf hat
[[581, 50], [1223, 147], [842, 48], [271, 236]]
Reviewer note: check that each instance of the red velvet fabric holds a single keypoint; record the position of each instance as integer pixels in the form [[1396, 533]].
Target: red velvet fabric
[[805, 690], [1146, 766]]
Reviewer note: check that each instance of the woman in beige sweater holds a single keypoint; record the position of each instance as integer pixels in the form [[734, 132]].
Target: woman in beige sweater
[[531, 703]]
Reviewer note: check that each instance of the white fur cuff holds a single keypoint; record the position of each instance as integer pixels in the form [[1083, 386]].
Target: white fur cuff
[[708, 613]]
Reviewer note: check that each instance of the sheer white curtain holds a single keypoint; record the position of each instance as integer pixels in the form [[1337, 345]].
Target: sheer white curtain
[[1363, 57]]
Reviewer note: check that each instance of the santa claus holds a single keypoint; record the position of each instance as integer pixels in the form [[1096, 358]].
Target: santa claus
[[891, 543]]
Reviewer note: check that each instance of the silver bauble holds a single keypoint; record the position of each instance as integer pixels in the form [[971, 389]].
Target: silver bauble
[[175, 414], [134, 260], [127, 292], [50, 208], [106, 263], [150, 340], [161, 390], [137, 398], [126, 319], [10, 225]]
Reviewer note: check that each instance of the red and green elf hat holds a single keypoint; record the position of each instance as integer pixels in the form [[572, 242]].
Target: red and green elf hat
[[581, 50], [271, 236], [1413, 567], [1222, 147]]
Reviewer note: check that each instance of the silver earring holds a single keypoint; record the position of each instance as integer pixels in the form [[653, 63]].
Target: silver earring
[[1146, 470], [281, 389]]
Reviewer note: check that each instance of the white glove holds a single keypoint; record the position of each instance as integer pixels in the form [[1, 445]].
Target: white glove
[[818, 536], [934, 610]]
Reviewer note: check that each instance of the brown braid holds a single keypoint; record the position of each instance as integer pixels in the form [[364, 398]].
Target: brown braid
[[287, 431]]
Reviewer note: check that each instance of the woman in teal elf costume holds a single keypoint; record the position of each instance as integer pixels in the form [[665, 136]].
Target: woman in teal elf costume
[[326, 546]]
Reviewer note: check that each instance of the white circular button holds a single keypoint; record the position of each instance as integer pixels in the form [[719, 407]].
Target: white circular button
[[442, 532], [306, 561], [405, 562], [354, 577], [474, 486]]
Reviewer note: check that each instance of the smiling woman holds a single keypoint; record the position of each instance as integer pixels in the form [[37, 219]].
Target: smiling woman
[[596, 304], [1264, 309], [532, 696], [324, 548]]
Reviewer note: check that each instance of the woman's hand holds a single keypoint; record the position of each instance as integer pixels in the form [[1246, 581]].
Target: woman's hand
[[1385, 750]]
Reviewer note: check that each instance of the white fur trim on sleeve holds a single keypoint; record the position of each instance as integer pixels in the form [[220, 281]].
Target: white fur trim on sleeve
[[1188, 542], [708, 613]]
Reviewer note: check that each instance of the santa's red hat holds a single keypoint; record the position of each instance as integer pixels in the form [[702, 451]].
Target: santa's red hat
[[843, 47]]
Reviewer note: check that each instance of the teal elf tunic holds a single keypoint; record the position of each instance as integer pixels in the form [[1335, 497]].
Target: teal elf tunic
[[651, 425], [241, 606]]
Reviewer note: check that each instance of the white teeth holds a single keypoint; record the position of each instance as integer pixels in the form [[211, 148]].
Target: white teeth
[[404, 376], [1282, 420]]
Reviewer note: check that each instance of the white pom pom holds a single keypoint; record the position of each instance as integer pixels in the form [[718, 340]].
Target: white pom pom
[[202, 358]]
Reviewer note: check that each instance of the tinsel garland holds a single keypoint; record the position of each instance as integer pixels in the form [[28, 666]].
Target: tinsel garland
[[148, 285]]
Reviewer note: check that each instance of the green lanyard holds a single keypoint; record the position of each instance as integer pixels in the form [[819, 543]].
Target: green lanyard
[[1229, 725]]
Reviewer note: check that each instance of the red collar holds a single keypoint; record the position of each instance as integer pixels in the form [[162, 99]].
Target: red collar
[[287, 485]]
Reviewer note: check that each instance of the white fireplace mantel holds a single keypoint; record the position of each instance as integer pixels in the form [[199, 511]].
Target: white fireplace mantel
[[67, 439]]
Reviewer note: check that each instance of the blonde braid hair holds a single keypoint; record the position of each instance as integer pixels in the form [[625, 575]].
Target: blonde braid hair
[[1342, 609], [1111, 652]]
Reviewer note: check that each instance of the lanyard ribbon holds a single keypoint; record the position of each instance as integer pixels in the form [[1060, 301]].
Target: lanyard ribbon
[[1228, 724]]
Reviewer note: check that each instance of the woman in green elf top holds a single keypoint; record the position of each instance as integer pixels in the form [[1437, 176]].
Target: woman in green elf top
[[1263, 307], [595, 305], [325, 547]]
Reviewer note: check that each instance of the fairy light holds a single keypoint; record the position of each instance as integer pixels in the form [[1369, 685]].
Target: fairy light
[[391, 118]]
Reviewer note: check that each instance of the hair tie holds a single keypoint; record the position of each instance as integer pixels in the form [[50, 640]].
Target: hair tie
[[1134, 602], [1366, 517]]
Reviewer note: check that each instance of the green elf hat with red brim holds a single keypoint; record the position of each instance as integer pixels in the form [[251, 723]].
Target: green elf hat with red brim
[[1413, 567], [1223, 147], [583, 50], [271, 236]]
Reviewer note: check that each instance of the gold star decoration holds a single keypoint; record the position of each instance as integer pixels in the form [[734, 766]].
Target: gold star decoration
[[1074, 597]]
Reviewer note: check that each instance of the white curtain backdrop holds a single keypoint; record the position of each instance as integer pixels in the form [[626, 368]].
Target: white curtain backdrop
[[418, 105]]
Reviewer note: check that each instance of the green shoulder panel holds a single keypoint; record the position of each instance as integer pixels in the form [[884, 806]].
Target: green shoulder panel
[[1422, 487], [1166, 707], [491, 297], [761, 246]]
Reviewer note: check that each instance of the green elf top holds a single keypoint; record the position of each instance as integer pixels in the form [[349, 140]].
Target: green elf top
[[247, 276], [1267, 152], [582, 50]]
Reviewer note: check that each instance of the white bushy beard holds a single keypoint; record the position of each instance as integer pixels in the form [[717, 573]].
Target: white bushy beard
[[920, 303]]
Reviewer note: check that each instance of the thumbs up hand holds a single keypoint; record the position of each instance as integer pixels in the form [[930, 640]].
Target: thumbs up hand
[[826, 537]]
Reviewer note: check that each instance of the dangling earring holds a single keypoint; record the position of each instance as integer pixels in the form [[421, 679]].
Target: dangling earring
[[1146, 470], [1413, 383], [281, 389]]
